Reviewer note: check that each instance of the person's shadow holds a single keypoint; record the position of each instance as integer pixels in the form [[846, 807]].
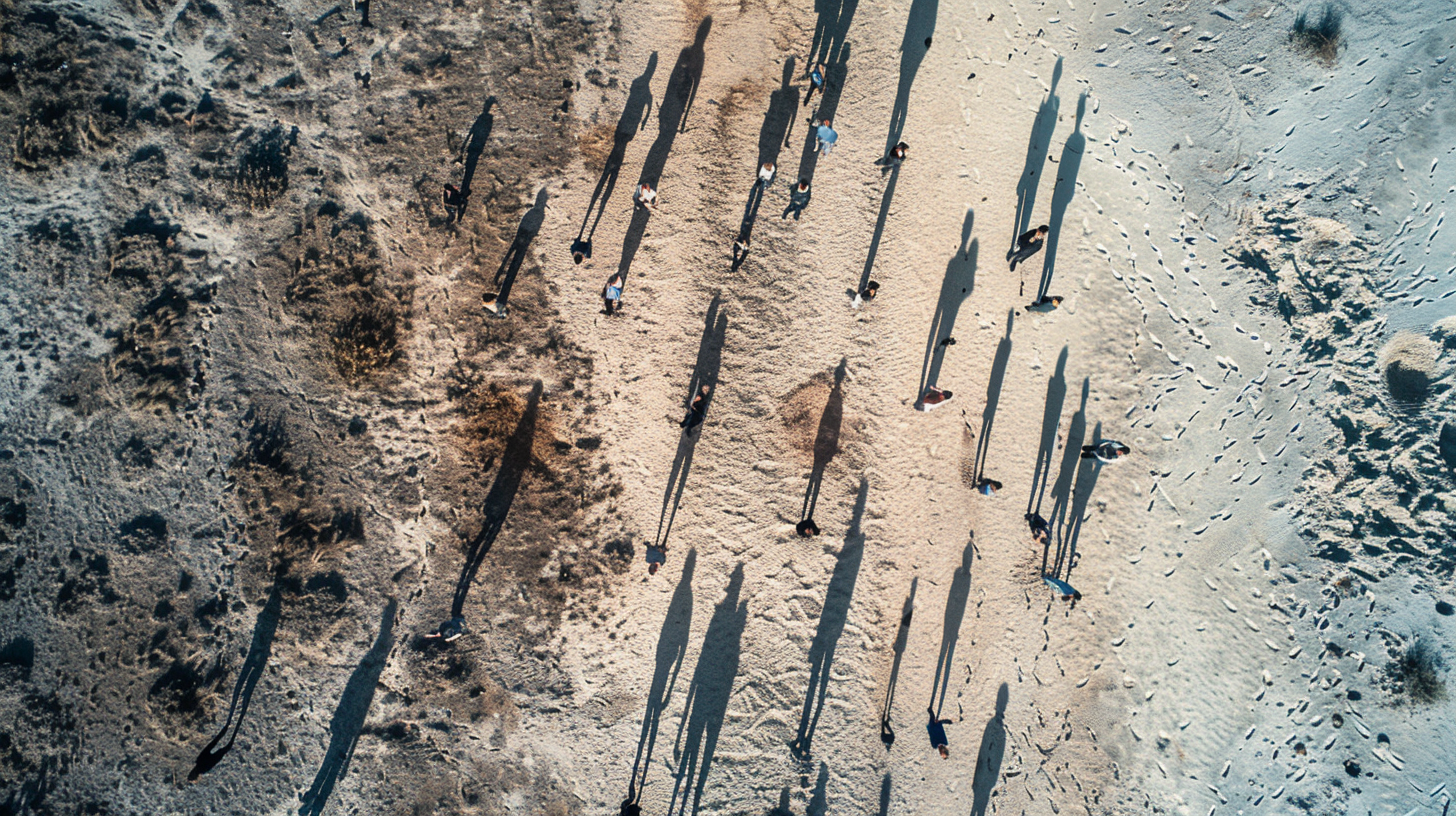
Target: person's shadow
[[783, 103], [745, 227], [264, 629], [919, 27], [349, 717], [902, 638], [955, 611], [672, 646], [830, 30], [988, 759], [831, 625], [1087, 471], [993, 398], [526, 232], [705, 372], [1051, 418], [475, 143], [633, 118], [707, 698], [1062, 488], [826, 440], [834, 77], [955, 287], [1036, 157], [513, 465], [1062, 196]]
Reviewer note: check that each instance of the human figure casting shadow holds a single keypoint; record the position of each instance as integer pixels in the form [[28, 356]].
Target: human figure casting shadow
[[828, 105], [988, 759], [993, 398], [707, 698], [474, 146], [705, 373], [819, 800], [826, 440], [745, 228], [682, 88], [349, 717], [262, 647], [783, 103], [885, 795], [633, 119], [515, 255], [879, 233], [955, 610], [1051, 417], [831, 625], [919, 27], [902, 638], [830, 30], [1062, 488], [955, 287], [1062, 196], [672, 645], [513, 464], [1087, 471], [1036, 157]]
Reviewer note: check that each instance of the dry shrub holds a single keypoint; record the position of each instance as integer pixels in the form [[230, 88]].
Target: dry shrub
[[595, 145], [148, 354], [1319, 35], [1410, 363], [491, 414], [262, 174], [366, 340], [1416, 673]]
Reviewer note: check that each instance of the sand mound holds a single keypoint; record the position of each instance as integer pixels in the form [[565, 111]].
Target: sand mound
[[1409, 363]]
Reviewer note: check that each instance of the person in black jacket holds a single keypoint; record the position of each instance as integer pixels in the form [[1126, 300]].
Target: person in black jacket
[[1028, 245]]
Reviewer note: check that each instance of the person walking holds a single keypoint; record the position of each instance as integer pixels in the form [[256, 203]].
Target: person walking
[[656, 557], [816, 83], [1106, 451], [896, 156], [766, 174], [612, 294], [827, 137], [807, 528], [454, 199], [1040, 528], [936, 729], [1046, 303], [646, 197], [865, 295], [798, 199], [1028, 245], [581, 250], [696, 410], [932, 398], [1062, 589]]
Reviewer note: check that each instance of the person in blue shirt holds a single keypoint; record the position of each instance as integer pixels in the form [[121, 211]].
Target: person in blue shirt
[[816, 83], [827, 137], [612, 295]]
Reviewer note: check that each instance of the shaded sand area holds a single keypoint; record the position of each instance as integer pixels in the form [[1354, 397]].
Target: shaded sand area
[[270, 440]]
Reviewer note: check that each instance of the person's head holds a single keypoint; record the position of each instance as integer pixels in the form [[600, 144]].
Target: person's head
[[1123, 450], [1055, 300], [768, 167], [1043, 229], [704, 390], [652, 568], [874, 286], [577, 257], [803, 184], [944, 751], [825, 123]]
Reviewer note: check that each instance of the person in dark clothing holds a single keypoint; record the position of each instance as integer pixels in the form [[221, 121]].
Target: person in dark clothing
[[1040, 529], [896, 156], [807, 528], [449, 631], [936, 729], [362, 6], [581, 251], [656, 557], [696, 410], [798, 199], [987, 487], [948, 341], [612, 294], [1028, 245], [1105, 452], [866, 294], [1046, 304], [455, 201]]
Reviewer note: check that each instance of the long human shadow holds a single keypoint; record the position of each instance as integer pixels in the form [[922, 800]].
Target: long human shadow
[[633, 118], [349, 717], [526, 232], [682, 88], [262, 647], [513, 465], [919, 27], [955, 287], [1062, 488], [834, 77], [830, 31], [1036, 156], [707, 697], [1062, 195], [819, 800], [993, 397], [705, 372], [1087, 471], [826, 440], [988, 758], [672, 645], [885, 795], [475, 143], [879, 233], [902, 638], [955, 611], [1051, 417], [831, 625], [745, 227], [783, 104]]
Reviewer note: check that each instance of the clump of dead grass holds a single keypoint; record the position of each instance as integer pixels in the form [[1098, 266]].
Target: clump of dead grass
[[1319, 34]]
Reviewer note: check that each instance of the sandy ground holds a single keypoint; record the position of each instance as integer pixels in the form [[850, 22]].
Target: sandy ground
[[1230, 231]]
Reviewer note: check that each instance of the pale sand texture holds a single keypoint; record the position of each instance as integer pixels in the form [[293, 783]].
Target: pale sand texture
[[1154, 690]]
